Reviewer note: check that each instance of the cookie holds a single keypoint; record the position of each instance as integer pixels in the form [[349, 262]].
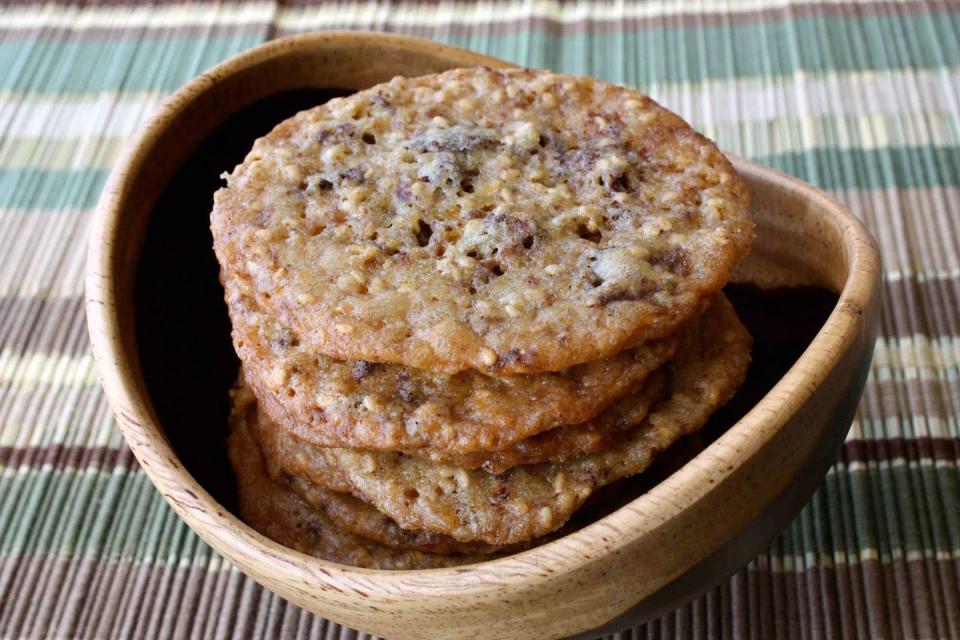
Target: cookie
[[531, 500], [346, 512], [560, 443], [507, 221], [280, 514], [367, 405]]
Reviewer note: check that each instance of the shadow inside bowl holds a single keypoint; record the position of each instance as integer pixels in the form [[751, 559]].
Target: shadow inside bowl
[[183, 332], [182, 328]]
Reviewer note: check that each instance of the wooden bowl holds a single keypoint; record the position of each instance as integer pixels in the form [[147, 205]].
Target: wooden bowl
[[680, 538]]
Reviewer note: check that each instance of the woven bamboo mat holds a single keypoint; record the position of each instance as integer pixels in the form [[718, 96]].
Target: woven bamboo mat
[[860, 98]]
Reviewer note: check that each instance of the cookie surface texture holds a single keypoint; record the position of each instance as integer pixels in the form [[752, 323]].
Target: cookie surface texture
[[378, 406], [510, 222], [280, 514], [531, 500]]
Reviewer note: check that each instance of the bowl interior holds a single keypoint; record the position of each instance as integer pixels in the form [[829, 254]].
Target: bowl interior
[[182, 331]]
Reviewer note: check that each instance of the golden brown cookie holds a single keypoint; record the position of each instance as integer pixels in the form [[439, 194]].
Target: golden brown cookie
[[390, 407], [560, 443], [346, 512], [508, 221], [280, 514], [531, 500]]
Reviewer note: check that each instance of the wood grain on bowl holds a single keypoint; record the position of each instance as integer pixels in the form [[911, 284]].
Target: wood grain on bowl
[[700, 523]]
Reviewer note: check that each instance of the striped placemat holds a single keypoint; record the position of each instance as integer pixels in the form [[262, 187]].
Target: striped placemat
[[861, 98]]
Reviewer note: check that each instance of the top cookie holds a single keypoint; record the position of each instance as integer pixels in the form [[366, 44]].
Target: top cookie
[[511, 221]]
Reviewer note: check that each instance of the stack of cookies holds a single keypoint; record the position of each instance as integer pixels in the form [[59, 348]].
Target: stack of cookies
[[465, 302]]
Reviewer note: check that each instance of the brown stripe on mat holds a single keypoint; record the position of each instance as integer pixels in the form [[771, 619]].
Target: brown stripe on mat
[[43, 325], [872, 598], [908, 399], [929, 307], [909, 449], [60, 456]]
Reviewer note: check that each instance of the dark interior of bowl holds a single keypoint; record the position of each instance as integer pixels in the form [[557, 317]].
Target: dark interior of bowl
[[183, 331]]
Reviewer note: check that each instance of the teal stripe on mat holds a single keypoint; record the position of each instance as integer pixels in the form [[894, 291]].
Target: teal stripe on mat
[[51, 190], [678, 54], [133, 65]]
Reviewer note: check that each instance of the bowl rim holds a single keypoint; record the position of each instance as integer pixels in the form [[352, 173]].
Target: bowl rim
[[122, 382]]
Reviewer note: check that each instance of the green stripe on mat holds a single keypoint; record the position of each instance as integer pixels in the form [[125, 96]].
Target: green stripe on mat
[[78, 512], [75, 67], [51, 190], [90, 514], [680, 54], [905, 167]]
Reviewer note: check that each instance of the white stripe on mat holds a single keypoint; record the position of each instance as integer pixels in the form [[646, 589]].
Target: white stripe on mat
[[329, 15]]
